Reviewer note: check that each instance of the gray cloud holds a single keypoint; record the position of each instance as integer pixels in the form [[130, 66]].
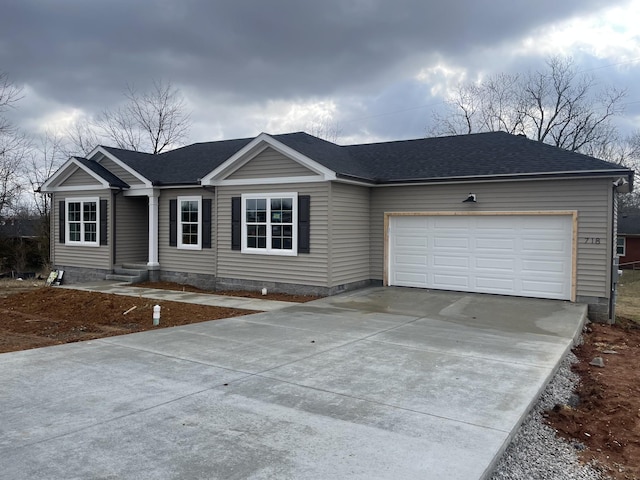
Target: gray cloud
[[82, 53]]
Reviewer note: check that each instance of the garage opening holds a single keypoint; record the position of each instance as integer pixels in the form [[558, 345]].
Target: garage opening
[[503, 253]]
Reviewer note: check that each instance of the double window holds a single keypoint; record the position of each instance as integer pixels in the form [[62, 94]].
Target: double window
[[269, 223], [190, 223], [81, 223]]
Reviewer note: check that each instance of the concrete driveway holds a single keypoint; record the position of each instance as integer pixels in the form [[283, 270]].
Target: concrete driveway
[[381, 383]]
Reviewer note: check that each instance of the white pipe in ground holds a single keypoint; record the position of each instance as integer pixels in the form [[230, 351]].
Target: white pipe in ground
[[156, 315]]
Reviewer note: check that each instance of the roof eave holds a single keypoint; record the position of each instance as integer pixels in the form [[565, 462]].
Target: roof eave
[[519, 176]]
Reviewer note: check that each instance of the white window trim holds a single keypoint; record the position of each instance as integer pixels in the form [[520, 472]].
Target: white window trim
[[187, 246], [270, 251], [624, 246], [82, 241]]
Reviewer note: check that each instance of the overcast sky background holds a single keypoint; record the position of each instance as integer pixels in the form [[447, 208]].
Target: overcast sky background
[[375, 68]]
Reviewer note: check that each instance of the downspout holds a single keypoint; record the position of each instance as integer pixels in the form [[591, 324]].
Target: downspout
[[615, 265]]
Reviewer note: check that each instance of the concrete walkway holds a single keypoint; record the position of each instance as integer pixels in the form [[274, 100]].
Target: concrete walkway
[[383, 383], [119, 288]]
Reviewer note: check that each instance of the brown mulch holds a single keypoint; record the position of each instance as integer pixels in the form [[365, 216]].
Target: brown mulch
[[607, 417]]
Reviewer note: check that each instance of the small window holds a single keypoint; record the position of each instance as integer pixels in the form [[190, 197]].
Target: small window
[[82, 221], [190, 223], [269, 223], [621, 246]]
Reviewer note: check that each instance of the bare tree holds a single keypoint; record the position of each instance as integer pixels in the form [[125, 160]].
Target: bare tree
[[557, 106], [44, 159], [150, 121], [9, 95], [325, 128], [14, 151], [81, 138]]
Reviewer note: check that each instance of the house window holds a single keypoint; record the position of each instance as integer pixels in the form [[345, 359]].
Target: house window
[[269, 223], [621, 246], [82, 221], [190, 223]]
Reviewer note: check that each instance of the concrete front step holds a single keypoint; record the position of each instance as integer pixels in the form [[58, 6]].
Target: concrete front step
[[125, 278], [129, 273]]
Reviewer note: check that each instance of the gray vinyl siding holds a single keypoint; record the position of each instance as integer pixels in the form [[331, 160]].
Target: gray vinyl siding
[[79, 255], [80, 178], [131, 230], [349, 217], [120, 172], [268, 164], [590, 197], [178, 260], [305, 269]]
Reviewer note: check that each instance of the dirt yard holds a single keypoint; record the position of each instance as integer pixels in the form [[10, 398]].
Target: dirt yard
[[32, 315], [605, 423]]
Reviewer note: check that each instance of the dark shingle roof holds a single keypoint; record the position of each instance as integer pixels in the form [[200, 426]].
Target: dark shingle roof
[[102, 172], [629, 224], [462, 157], [470, 156], [186, 165]]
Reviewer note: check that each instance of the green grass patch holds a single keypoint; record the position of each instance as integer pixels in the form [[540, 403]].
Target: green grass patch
[[628, 301]]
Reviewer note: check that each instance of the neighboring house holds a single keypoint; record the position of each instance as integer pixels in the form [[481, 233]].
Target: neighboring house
[[628, 242], [20, 246], [490, 213]]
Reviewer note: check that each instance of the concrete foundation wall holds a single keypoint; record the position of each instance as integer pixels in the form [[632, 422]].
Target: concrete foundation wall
[[82, 275]]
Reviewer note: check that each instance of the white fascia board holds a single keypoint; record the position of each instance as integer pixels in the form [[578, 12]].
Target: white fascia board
[[147, 183], [140, 192], [270, 180], [53, 182], [255, 147]]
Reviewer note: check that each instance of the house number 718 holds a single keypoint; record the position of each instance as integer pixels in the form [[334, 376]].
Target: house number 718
[[594, 240]]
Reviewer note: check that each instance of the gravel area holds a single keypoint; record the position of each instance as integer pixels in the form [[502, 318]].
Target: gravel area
[[536, 452]]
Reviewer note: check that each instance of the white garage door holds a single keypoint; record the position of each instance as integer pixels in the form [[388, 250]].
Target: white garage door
[[523, 255]]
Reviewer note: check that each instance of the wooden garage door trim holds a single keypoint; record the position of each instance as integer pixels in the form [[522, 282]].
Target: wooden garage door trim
[[574, 240]]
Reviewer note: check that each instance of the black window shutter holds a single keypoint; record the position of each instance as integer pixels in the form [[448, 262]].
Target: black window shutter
[[206, 223], [304, 217], [236, 223], [103, 222], [61, 221], [173, 223]]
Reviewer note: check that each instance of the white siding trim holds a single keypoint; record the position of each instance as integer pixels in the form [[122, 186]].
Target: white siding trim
[[180, 245], [254, 148], [64, 172], [82, 242], [294, 224]]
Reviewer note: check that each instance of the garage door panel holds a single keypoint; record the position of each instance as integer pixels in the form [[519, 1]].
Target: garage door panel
[[450, 242], [411, 279], [412, 241], [410, 260], [443, 261], [494, 243], [444, 281], [488, 264], [543, 266], [547, 289], [543, 245], [444, 222], [495, 284], [524, 255]]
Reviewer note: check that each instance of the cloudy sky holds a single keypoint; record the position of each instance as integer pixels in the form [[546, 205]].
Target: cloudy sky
[[374, 68]]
